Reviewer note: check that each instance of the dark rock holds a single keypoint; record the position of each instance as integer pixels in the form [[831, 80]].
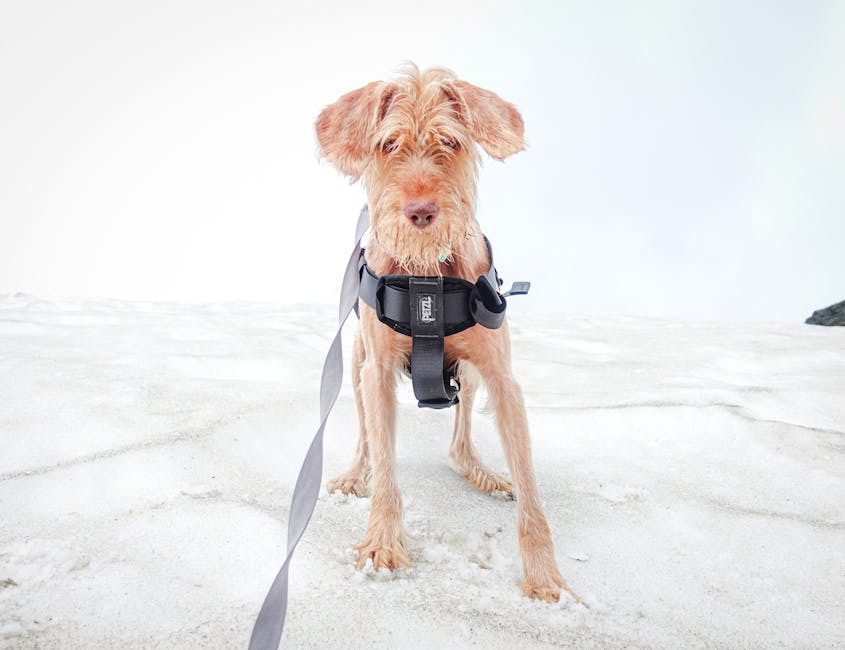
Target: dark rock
[[833, 315]]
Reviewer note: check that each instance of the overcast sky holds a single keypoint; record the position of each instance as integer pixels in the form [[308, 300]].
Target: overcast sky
[[685, 160]]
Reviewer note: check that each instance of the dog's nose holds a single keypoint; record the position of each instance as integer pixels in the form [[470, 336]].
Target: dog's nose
[[421, 213]]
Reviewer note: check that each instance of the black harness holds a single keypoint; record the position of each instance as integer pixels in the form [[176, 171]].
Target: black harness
[[430, 308]]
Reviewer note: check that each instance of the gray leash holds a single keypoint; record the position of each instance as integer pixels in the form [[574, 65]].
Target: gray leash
[[267, 632]]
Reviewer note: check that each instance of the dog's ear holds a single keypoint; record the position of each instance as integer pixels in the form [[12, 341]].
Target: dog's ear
[[347, 128], [493, 123]]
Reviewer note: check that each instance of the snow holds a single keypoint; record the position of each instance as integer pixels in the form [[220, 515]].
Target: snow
[[692, 474]]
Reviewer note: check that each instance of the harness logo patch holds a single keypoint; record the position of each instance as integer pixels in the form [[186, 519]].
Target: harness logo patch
[[425, 309]]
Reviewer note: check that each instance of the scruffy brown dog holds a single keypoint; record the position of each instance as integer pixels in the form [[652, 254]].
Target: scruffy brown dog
[[412, 140]]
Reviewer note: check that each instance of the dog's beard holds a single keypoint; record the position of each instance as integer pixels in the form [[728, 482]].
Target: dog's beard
[[420, 252]]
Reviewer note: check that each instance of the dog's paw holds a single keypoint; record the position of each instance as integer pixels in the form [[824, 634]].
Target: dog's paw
[[549, 593], [549, 590], [349, 483], [489, 481], [389, 556]]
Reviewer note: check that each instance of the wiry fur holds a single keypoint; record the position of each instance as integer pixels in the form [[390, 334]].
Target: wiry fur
[[411, 140]]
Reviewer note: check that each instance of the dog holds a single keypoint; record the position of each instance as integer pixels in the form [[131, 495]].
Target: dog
[[413, 142]]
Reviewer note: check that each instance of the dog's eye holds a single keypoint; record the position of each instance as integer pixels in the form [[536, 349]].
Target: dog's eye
[[388, 146], [448, 142]]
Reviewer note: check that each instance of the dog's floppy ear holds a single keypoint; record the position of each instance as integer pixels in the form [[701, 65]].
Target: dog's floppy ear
[[493, 123], [346, 129]]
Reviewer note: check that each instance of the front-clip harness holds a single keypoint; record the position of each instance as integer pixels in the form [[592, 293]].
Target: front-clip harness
[[430, 308]]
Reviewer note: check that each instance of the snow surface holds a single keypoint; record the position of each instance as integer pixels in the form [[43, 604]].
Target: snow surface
[[692, 474]]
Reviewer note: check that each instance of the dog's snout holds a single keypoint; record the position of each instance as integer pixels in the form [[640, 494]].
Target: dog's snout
[[421, 213]]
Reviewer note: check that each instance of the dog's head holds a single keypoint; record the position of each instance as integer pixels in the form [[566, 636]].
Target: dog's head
[[412, 140]]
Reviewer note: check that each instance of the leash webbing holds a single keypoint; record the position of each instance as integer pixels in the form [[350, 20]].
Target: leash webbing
[[267, 631]]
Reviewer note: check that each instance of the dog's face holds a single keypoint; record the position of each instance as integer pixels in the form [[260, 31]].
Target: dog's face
[[412, 141]]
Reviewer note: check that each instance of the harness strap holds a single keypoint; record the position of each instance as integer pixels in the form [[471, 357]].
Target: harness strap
[[432, 383], [464, 303], [389, 295]]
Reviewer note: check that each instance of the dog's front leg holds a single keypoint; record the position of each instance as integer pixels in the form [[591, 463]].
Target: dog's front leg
[[354, 480], [385, 533], [542, 578]]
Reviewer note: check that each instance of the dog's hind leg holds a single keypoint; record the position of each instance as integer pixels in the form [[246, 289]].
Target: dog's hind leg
[[462, 451], [356, 479]]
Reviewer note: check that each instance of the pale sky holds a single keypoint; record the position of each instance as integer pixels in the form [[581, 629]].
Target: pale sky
[[685, 160]]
